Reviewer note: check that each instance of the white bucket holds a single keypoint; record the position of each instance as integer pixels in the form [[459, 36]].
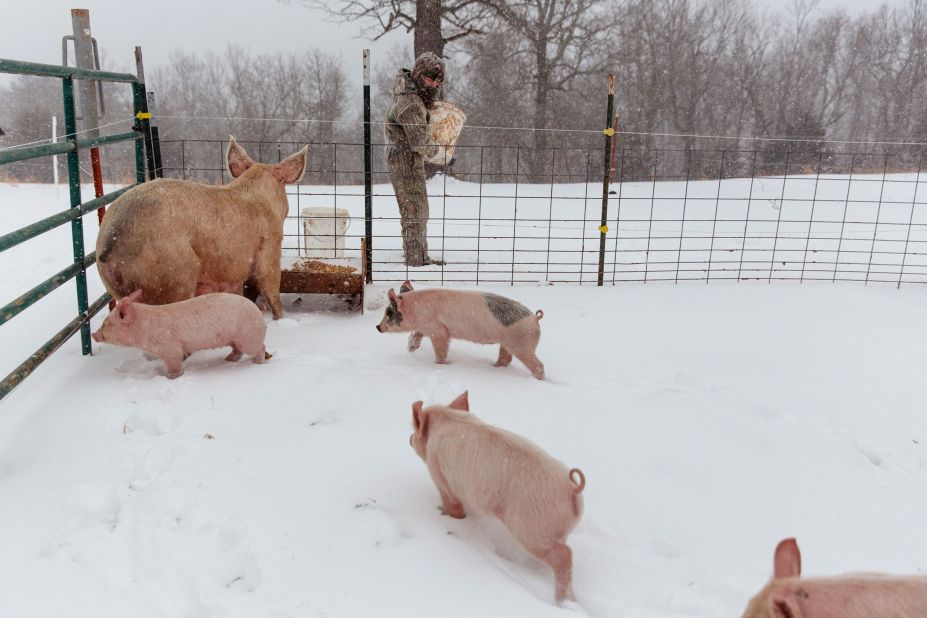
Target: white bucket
[[323, 231]]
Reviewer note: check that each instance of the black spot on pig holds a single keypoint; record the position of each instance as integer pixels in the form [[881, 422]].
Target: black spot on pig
[[506, 310], [393, 315]]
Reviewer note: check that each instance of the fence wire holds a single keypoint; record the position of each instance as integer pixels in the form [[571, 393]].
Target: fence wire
[[510, 214]]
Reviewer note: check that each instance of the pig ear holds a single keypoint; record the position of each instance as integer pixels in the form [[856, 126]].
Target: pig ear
[[419, 420], [134, 297], [461, 403], [783, 605], [125, 311], [405, 287], [787, 562], [392, 296], [236, 159], [291, 170]]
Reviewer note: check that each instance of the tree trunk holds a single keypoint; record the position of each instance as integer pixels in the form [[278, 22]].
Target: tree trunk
[[540, 156], [428, 36]]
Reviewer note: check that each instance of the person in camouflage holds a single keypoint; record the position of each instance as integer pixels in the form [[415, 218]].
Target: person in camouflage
[[414, 93]]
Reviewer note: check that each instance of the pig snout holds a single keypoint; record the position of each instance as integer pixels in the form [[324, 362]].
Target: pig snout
[[97, 336], [379, 328]]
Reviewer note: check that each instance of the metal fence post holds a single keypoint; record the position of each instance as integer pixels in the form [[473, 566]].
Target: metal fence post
[[155, 136], [368, 174], [606, 172], [145, 115], [141, 125], [77, 225]]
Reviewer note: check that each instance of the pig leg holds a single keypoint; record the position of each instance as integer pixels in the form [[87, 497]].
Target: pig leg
[[415, 340], [174, 364], [235, 354], [441, 341], [269, 287], [253, 347], [531, 361], [452, 507], [560, 559], [505, 357]]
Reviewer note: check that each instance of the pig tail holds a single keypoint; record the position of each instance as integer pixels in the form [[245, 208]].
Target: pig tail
[[538, 315], [581, 483]]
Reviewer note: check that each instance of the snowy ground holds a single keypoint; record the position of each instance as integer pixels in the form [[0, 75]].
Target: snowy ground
[[865, 227], [710, 422]]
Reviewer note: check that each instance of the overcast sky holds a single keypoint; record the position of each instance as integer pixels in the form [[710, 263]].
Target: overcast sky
[[32, 29]]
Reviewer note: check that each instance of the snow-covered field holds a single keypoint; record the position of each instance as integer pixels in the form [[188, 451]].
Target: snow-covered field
[[710, 422], [865, 227]]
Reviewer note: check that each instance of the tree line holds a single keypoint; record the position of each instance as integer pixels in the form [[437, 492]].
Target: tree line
[[784, 86]]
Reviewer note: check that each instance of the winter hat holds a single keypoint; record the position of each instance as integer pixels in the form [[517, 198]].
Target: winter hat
[[428, 64]]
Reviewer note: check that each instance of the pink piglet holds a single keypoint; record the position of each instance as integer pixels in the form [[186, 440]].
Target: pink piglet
[[788, 595], [174, 331], [481, 469]]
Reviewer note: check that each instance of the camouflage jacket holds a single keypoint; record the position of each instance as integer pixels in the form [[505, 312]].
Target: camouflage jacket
[[407, 118]]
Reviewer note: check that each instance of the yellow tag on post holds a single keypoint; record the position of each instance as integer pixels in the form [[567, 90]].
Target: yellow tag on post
[[604, 229]]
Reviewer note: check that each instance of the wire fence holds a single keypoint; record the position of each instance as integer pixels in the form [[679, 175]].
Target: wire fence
[[511, 214]]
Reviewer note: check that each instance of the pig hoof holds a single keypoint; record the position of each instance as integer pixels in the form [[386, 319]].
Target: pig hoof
[[233, 357], [173, 375], [456, 513]]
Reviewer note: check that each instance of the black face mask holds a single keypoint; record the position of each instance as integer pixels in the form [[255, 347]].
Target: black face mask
[[428, 95]]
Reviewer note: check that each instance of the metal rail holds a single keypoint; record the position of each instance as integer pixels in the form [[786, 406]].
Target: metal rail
[[71, 146]]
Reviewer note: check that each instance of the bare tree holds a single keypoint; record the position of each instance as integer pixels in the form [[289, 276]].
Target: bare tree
[[426, 19], [28, 104], [277, 99], [894, 44], [562, 39], [495, 89]]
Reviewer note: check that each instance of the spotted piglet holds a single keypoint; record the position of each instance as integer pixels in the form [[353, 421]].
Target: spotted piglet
[[479, 469], [481, 317]]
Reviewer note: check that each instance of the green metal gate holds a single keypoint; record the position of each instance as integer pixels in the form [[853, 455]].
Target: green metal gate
[[70, 146]]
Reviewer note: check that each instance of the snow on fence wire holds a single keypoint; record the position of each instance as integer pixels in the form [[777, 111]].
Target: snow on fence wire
[[673, 214]]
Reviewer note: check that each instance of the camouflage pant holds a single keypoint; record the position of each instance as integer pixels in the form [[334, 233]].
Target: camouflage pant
[[407, 173]]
